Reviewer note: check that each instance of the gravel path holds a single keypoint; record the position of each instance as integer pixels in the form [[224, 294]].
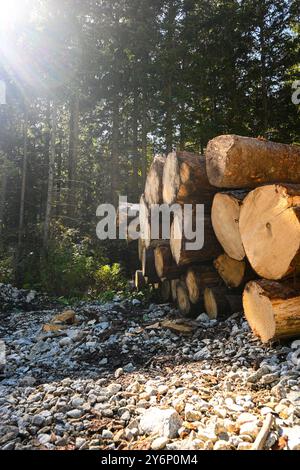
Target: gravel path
[[129, 376]]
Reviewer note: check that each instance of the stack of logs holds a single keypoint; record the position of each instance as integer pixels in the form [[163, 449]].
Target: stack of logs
[[250, 189]]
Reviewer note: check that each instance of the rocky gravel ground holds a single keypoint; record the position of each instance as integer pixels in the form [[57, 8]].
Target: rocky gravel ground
[[124, 375]]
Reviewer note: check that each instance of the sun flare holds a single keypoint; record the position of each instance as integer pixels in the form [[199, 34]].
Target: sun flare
[[11, 13]]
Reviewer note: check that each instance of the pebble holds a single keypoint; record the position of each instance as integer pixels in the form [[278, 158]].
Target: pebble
[[75, 414], [57, 388], [159, 443], [164, 422]]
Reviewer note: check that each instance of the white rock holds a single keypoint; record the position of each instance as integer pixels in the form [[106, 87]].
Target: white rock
[[244, 446], [249, 429], [119, 372], [44, 439], [204, 318], [191, 414], [163, 389], [75, 414], [293, 435], [80, 443], [107, 434], [265, 411], [65, 342], [207, 435], [164, 422], [222, 445], [296, 344], [159, 443], [246, 418]]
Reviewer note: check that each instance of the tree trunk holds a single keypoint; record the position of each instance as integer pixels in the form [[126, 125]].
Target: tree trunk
[[198, 278], [270, 230], [114, 164], [165, 265], [179, 244], [135, 146], [234, 273], [225, 217], [272, 309], [144, 141], [243, 162], [23, 193], [73, 154], [3, 198], [50, 177], [185, 180], [219, 303], [59, 176], [154, 182]]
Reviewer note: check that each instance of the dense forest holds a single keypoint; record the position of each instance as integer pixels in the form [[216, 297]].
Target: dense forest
[[96, 88]]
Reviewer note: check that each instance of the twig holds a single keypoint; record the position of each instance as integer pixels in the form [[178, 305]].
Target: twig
[[263, 434]]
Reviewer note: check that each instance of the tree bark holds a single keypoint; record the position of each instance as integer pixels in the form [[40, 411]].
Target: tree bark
[[73, 154], [243, 162], [272, 309], [185, 180], [225, 216], [50, 177], [154, 181], [114, 164], [270, 230], [3, 198], [23, 194]]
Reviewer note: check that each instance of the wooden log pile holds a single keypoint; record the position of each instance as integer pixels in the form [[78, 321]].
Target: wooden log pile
[[250, 189]]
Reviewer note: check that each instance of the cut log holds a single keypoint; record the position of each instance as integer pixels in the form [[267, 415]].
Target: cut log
[[174, 283], [270, 230], [154, 182], [184, 304], [198, 278], [272, 309], [127, 213], [165, 265], [145, 225], [225, 217], [148, 266], [165, 291], [218, 303], [243, 162], [180, 248], [185, 180], [141, 246], [234, 273], [140, 281]]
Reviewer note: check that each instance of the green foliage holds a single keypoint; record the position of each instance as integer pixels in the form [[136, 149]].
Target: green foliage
[[109, 278], [6, 270]]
